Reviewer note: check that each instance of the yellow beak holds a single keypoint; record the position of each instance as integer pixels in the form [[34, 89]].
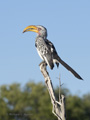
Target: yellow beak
[[32, 28]]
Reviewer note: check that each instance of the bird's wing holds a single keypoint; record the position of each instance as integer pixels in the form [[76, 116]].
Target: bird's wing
[[50, 46], [55, 56], [53, 51]]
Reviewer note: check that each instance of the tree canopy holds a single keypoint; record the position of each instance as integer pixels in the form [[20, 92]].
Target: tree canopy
[[32, 102]]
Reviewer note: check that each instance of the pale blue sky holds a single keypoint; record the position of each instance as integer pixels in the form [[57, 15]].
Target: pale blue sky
[[68, 25]]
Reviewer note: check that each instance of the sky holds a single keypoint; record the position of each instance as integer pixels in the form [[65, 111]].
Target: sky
[[68, 26]]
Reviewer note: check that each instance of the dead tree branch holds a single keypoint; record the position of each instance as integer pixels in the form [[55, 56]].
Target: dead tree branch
[[58, 106]]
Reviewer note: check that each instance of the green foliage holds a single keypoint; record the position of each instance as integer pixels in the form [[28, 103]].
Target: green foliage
[[32, 102], [74, 108]]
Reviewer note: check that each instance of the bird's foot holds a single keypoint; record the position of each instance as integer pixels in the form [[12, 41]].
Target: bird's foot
[[43, 62]]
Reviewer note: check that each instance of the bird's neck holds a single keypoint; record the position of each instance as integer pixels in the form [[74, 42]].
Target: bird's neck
[[43, 36]]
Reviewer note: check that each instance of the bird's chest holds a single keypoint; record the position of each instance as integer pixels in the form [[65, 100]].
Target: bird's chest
[[41, 48], [39, 43]]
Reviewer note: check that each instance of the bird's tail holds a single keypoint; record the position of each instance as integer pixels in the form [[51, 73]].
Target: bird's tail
[[69, 68]]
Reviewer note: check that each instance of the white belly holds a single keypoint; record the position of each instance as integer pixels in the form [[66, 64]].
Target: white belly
[[40, 54]]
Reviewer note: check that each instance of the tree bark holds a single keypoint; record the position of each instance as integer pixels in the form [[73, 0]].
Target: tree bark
[[58, 106]]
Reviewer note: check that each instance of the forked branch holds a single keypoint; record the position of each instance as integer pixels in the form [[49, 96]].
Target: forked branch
[[58, 107]]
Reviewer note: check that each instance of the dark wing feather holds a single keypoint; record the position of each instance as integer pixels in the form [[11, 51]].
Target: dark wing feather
[[55, 56]]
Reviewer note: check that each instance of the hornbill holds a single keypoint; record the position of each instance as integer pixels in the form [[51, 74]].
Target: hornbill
[[46, 49]]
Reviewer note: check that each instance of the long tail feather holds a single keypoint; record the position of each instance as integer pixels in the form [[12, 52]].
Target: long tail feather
[[69, 68]]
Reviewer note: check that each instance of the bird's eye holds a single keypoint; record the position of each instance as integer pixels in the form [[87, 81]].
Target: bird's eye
[[39, 29]]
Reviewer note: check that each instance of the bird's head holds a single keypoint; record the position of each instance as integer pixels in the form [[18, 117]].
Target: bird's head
[[40, 30]]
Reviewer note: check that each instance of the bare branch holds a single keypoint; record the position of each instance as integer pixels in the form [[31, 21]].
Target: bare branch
[[58, 107]]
